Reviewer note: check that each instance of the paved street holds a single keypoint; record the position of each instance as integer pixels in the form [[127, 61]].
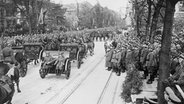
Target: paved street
[[91, 84]]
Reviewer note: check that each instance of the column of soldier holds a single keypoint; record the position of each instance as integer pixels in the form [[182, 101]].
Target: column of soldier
[[47, 39], [125, 49], [67, 37]]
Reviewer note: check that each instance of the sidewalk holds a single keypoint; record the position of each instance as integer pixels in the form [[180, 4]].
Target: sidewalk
[[148, 90]]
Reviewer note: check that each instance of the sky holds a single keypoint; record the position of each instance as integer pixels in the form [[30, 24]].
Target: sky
[[115, 5]]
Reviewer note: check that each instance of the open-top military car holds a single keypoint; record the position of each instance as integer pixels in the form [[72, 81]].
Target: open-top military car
[[55, 62], [76, 52]]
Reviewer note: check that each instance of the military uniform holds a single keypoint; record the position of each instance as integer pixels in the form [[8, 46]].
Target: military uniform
[[137, 58], [143, 57], [8, 55], [60, 62], [8, 84], [123, 62], [151, 63], [116, 58], [130, 58], [176, 79], [174, 63], [109, 53], [48, 58]]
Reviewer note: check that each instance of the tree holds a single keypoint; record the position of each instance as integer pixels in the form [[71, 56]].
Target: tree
[[29, 11], [164, 56], [56, 14], [155, 20], [149, 3], [85, 15]]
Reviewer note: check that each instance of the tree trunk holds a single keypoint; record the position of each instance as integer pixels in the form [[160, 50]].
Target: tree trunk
[[137, 19], [29, 23], [155, 20], [35, 15], [165, 49], [148, 18], [28, 16]]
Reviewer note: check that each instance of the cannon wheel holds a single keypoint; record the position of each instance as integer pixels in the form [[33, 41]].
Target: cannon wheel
[[78, 60], [23, 72], [67, 68], [42, 72]]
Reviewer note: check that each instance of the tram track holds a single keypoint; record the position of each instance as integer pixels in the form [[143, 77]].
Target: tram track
[[64, 99], [105, 89], [115, 92]]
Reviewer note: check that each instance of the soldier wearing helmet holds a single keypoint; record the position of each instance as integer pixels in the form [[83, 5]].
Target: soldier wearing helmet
[[60, 62], [109, 53], [116, 57]]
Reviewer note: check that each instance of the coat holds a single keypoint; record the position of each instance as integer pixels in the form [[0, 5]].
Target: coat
[[7, 52], [116, 56], [130, 58], [151, 60], [123, 57], [60, 62], [178, 76], [109, 54], [144, 53]]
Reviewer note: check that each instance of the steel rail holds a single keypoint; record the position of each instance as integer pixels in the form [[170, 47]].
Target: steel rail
[[77, 86], [104, 89]]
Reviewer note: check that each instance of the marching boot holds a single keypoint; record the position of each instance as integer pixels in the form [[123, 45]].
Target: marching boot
[[145, 76], [145, 73], [149, 81], [109, 68], [123, 69], [113, 70], [118, 73]]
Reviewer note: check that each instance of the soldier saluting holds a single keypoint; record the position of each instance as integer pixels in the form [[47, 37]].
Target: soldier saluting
[[109, 54]]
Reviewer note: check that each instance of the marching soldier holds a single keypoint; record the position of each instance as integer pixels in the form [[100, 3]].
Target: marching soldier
[[116, 58], [130, 59], [109, 52], [143, 57], [123, 57], [151, 64]]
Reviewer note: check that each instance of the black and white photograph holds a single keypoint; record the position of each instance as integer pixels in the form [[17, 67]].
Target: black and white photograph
[[91, 51]]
